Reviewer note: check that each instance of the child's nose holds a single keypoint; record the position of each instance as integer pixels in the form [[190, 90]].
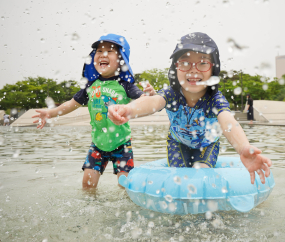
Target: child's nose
[[193, 68], [104, 53]]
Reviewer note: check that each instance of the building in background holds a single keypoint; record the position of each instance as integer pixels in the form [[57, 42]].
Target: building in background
[[280, 65]]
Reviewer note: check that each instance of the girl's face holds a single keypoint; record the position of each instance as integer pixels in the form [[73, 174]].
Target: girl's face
[[198, 68], [106, 60]]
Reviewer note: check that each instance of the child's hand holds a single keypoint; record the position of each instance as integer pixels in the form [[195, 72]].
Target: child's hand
[[253, 161], [119, 114], [43, 116], [148, 89]]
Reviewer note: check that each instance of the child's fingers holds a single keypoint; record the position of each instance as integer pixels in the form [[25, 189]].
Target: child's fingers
[[36, 116], [267, 161], [261, 176], [252, 177], [266, 169], [257, 151], [36, 121]]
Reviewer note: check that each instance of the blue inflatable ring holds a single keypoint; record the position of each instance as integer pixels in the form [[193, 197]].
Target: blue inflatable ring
[[164, 189]]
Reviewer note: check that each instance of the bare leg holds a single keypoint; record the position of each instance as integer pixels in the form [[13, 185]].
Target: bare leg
[[200, 165], [90, 178], [250, 122], [122, 173]]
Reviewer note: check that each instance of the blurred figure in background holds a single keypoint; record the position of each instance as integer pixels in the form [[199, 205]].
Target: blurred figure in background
[[249, 108]]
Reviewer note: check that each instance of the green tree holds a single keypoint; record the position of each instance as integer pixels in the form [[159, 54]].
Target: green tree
[[32, 92], [156, 77]]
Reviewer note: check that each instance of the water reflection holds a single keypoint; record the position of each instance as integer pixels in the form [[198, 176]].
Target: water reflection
[[41, 196]]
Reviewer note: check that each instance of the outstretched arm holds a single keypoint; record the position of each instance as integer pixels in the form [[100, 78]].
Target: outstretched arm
[[63, 109], [249, 155], [120, 114]]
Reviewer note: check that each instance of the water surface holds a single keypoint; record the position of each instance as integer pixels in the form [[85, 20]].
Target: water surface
[[41, 197]]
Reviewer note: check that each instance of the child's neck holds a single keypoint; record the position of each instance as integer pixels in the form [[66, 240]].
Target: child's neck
[[193, 98]]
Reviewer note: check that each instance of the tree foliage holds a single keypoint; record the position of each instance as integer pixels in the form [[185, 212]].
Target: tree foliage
[[258, 87], [156, 77], [32, 92]]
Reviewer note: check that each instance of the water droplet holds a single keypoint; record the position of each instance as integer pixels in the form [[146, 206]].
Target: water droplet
[[151, 224], [197, 165], [157, 191], [172, 207], [177, 180], [234, 47], [251, 151], [217, 223], [16, 154], [185, 177], [168, 198], [125, 68], [223, 149], [281, 81], [212, 205], [129, 215], [42, 40], [180, 238], [70, 149], [192, 189], [14, 111], [82, 83], [150, 182], [180, 46], [265, 87], [237, 91], [224, 190], [88, 60], [50, 103], [208, 215], [75, 37]]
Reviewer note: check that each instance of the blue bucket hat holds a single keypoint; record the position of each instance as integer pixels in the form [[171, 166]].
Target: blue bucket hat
[[90, 72], [199, 42]]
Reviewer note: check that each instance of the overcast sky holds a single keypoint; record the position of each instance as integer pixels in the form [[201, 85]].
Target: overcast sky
[[51, 38]]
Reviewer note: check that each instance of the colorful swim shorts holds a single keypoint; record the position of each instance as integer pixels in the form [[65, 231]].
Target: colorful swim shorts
[[180, 155], [122, 158]]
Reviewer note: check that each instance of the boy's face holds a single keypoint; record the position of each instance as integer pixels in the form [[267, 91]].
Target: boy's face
[[189, 78], [106, 59]]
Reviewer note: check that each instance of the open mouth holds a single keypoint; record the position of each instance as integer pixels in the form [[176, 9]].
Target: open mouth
[[193, 80], [103, 64]]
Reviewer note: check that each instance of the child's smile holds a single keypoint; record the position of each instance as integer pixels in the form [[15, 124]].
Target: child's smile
[[193, 67], [106, 60]]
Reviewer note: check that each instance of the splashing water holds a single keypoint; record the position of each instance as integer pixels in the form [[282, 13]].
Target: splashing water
[[237, 91], [82, 83], [177, 180], [49, 102], [168, 198], [213, 80], [234, 47]]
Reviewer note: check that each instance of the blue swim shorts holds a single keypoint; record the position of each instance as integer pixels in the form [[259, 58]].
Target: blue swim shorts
[[180, 155], [122, 158]]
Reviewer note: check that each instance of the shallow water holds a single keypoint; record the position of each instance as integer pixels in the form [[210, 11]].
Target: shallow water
[[41, 197]]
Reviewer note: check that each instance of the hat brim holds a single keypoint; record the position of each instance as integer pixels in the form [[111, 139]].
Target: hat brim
[[198, 48], [95, 44]]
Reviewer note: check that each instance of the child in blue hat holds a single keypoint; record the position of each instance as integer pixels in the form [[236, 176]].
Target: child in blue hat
[[110, 81], [197, 111]]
